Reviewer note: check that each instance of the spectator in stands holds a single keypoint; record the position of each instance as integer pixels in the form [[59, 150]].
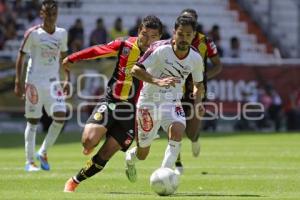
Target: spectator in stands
[[215, 35], [293, 112], [19, 8], [2, 32], [133, 31], [33, 7], [165, 33], [99, 34], [3, 6], [200, 28], [234, 51], [11, 32], [118, 30], [272, 103], [76, 36], [1, 38], [275, 109]]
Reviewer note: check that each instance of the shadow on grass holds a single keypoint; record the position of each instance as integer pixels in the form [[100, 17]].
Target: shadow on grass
[[188, 194]]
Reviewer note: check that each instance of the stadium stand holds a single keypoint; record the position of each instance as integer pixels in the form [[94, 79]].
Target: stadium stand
[[211, 12], [280, 20]]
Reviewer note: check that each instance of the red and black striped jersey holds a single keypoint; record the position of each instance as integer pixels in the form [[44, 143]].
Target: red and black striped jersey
[[207, 49], [205, 46], [122, 86]]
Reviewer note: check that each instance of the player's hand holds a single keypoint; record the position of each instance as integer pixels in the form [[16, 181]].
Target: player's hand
[[66, 88], [18, 90], [168, 81], [66, 64]]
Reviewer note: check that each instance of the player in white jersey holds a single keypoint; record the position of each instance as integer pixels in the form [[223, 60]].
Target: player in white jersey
[[159, 105], [47, 45]]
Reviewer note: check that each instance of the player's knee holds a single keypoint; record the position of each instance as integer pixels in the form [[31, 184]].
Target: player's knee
[[33, 120], [89, 142], [176, 131], [92, 135], [59, 117], [142, 153]]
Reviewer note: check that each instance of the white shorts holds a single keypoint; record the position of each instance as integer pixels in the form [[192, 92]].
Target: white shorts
[[151, 117], [51, 97]]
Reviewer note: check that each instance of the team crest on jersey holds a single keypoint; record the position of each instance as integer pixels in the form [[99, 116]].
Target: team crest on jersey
[[125, 51], [98, 116]]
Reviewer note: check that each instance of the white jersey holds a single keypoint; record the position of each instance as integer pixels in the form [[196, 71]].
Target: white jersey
[[44, 50], [160, 61]]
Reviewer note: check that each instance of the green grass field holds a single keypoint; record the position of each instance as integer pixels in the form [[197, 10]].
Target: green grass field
[[231, 166]]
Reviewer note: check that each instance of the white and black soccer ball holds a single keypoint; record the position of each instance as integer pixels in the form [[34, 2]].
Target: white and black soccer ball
[[164, 181]]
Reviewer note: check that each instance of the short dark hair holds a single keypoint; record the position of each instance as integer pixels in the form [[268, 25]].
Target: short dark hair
[[49, 4], [184, 20], [191, 12], [152, 22]]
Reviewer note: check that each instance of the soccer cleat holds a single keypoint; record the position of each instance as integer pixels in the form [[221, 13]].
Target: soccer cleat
[[130, 169], [31, 167], [178, 168], [70, 185], [196, 148], [44, 161]]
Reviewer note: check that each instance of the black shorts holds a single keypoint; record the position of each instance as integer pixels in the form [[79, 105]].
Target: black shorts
[[187, 99], [118, 118]]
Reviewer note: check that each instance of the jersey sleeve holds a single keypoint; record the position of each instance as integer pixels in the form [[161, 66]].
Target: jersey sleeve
[[198, 70], [27, 42], [211, 48], [98, 51], [64, 45], [150, 59]]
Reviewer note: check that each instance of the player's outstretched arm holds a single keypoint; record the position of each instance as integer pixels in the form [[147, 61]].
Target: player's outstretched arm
[[143, 75], [216, 68], [199, 93], [66, 71], [19, 68]]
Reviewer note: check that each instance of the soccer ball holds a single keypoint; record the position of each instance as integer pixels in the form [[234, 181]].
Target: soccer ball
[[164, 181]]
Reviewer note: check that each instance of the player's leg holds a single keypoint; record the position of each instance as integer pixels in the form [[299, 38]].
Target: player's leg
[[175, 132], [147, 127], [117, 137], [91, 136], [30, 134], [95, 165], [192, 131], [174, 124], [55, 106], [33, 113]]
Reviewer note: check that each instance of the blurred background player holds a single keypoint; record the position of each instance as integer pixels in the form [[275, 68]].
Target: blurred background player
[[207, 50], [164, 69], [46, 44], [114, 116]]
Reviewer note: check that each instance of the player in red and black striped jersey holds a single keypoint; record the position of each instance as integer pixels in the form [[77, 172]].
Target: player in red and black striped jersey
[[207, 50], [114, 116]]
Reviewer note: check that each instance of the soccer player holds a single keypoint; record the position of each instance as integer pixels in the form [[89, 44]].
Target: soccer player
[[159, 105], [47, 45], [114, 116], [208, 50]]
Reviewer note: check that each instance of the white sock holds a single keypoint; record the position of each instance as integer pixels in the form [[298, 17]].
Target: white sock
[[171, 154], [51, 137], [30, 133], [131, 156]]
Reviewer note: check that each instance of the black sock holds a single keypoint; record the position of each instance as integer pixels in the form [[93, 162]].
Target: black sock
[[93, 166]]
